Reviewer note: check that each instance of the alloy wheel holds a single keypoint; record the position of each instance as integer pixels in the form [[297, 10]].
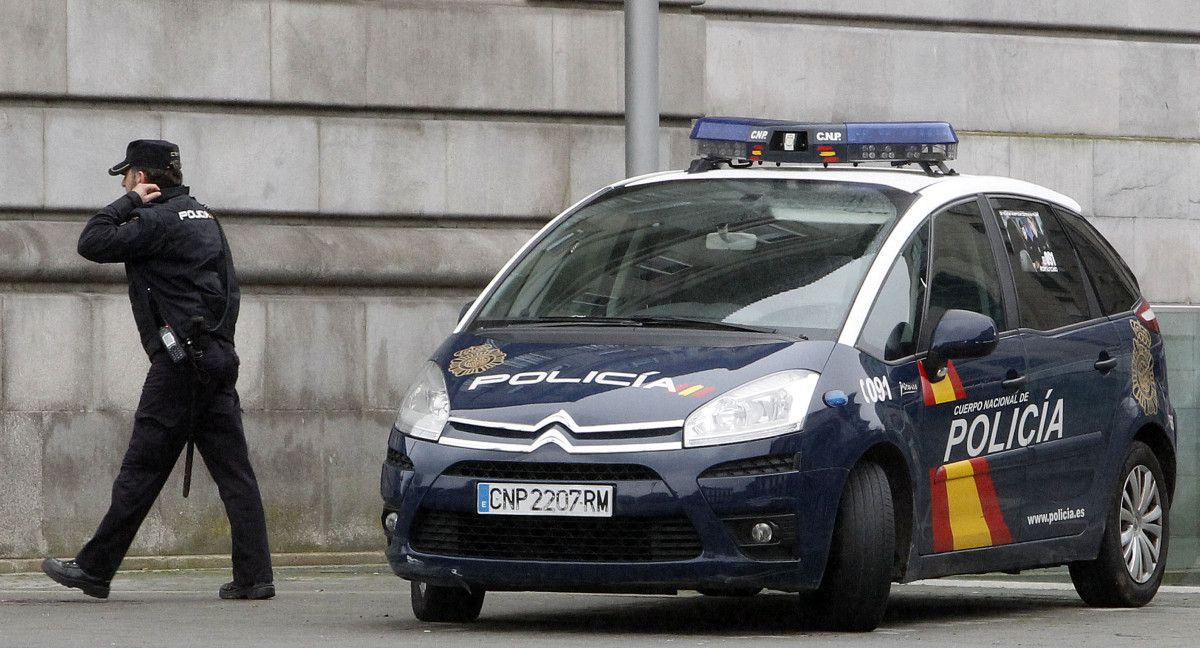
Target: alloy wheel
[[1141, 523]]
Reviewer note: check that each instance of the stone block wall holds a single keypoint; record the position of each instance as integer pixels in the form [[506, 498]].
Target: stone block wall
[[377, 160]]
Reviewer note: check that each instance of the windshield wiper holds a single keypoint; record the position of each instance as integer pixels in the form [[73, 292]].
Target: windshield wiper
[[563, 321], [672, 322], [691, 322]]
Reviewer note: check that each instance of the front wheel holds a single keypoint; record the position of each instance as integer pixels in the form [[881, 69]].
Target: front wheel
[[858, 576], [1133, 552], [446, 604]]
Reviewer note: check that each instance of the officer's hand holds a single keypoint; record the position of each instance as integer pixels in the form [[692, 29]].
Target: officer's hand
[[147, 192]]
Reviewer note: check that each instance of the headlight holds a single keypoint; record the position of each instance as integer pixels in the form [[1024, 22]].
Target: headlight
[[426, 406], [765, 407]]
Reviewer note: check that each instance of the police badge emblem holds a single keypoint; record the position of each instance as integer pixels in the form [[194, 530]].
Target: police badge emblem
[[476, 359], [1145, 391]]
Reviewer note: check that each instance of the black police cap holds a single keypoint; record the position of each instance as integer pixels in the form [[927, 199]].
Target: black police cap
[[149, 154]]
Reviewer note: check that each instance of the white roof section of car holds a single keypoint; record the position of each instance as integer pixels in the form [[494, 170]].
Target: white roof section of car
[[910, 180], [905, 180]]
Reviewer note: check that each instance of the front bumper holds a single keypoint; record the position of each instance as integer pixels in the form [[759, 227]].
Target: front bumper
[[809, 497]]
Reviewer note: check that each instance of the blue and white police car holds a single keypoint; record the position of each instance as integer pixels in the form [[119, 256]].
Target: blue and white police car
[[780, 369]]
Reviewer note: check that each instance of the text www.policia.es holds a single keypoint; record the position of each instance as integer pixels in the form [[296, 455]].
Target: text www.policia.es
[[1060, 515]]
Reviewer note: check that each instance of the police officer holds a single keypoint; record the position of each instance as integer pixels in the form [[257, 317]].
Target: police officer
[[185, 300]]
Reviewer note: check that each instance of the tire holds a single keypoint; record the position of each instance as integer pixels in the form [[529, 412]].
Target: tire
[[739, 592], [1110, 580], [445, 604], [858, 575]]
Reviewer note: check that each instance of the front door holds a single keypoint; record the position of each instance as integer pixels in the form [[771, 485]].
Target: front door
[[974, 478]]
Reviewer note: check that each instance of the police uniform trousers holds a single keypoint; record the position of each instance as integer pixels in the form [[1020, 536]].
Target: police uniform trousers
[[173, 396]]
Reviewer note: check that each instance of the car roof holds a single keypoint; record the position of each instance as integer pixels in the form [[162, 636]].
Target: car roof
[[912, 181]]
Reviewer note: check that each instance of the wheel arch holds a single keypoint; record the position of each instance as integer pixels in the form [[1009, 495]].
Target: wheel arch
[[1160, 444], [891, 459]]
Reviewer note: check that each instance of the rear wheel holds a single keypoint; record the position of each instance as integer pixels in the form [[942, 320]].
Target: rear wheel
[[858, 576], [1133, 553], [446, 604]]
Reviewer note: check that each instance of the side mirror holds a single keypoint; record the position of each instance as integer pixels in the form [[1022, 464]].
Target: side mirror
[[466, 307], [960, 334]]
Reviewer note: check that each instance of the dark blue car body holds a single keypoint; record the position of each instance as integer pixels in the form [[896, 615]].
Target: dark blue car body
[[1018, 469]]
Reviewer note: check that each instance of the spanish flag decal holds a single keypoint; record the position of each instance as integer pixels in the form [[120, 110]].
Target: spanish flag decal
[[946, 390], [966, 511]]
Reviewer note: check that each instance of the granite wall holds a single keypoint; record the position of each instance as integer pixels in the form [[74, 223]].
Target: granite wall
[[377, 160]]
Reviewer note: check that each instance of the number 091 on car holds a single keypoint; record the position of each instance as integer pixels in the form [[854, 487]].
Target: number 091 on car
[[544, 499]]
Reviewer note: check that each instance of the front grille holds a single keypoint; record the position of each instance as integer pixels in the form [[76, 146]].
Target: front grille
[[529, 435], [551, 471], [769, 465], [399, 459], [614, 539]]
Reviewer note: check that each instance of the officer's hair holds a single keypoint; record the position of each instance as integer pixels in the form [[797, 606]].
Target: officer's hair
[[162, 177]]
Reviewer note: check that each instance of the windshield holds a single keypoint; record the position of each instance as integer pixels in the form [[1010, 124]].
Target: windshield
[[781, 255]]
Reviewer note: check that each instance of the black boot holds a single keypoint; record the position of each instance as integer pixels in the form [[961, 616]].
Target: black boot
[[256, 591], [69, 573]]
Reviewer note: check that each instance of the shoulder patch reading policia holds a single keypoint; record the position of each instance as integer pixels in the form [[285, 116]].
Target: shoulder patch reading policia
[[1142, 373], [476, 359]]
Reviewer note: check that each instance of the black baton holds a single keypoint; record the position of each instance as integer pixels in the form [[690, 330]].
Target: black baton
[[191, 442], [200, 378], [187, 467]]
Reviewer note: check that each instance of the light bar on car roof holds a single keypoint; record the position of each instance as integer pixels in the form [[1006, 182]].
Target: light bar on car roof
[[768, 140]]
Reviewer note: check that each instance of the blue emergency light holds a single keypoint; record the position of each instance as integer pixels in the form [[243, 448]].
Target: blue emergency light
[[740, 140]]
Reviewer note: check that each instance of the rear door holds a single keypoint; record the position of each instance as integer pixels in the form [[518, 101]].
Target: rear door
[[1072, 384]]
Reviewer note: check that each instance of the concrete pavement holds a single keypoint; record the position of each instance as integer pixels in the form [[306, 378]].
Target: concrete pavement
[[348, 607]]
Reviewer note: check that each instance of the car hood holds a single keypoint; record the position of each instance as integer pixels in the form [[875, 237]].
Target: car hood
[[605, 376]]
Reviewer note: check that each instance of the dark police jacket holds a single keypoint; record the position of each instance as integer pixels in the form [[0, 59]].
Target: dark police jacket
[[176, 261]]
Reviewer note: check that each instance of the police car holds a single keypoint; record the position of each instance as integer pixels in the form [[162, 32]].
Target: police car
[[780, 369]]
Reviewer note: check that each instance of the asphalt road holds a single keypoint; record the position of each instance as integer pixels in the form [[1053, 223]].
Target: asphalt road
[[350, 607]]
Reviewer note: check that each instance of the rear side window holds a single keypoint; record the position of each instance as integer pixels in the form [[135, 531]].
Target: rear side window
[[1050, 285], [1115, 287], [890, 332], [963, 269]]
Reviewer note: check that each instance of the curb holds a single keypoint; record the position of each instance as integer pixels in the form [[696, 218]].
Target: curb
[[215, 561]]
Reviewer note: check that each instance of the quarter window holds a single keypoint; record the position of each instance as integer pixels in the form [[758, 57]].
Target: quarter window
[[1115, 287], [1050, 289], [964, 274]]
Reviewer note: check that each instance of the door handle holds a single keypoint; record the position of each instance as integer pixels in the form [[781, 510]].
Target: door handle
[[1016, 382], [1105, 364]]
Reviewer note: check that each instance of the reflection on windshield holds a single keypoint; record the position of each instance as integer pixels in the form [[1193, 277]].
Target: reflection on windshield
[[780, 254]]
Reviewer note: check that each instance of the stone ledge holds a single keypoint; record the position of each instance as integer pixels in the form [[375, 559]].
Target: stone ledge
[[1120, 16], [32, 251], [358, 166], [218, 561]]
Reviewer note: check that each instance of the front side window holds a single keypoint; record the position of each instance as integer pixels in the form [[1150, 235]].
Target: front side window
[[786, 255], [890, 332], [963, 272], [1050, 288]]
